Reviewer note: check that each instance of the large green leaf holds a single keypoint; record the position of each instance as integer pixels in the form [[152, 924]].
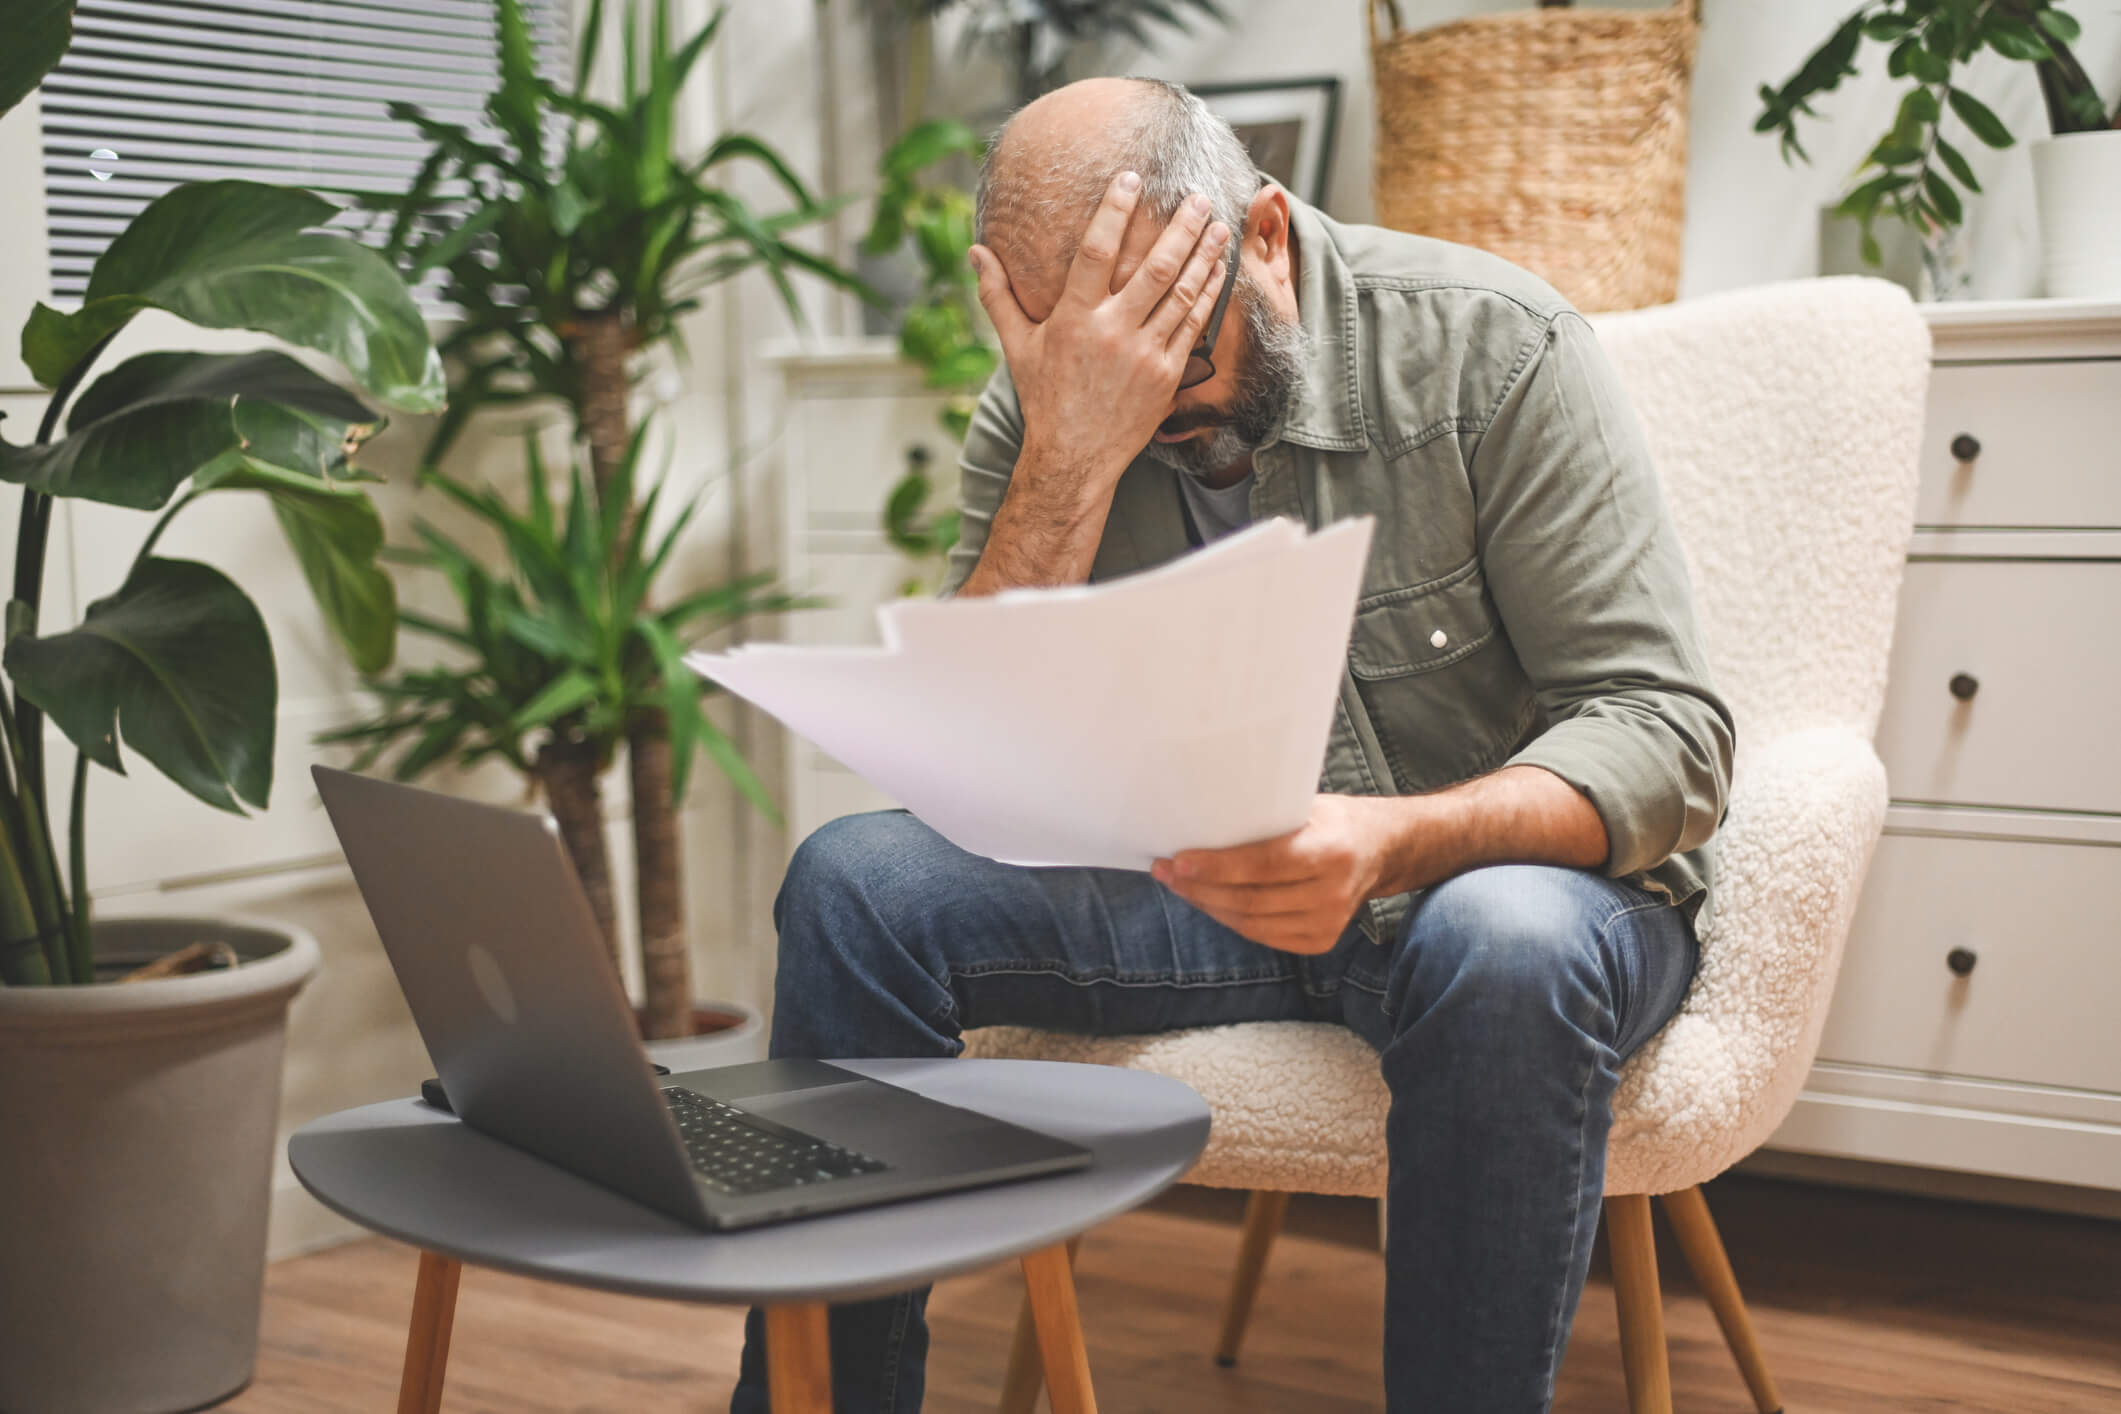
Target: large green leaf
[[179, 662], [239, 255], [336, 535], [158, 418], [38, 33]]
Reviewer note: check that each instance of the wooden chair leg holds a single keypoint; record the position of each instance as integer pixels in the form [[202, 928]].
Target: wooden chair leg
[[434, 1313], [1642, 1348], [1024, 1379], [1264, 1211], [1702, 1246], [798, 1359], [1049, 1282]]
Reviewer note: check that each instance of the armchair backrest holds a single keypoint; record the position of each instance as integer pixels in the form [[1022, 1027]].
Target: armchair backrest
[[1785, 423]]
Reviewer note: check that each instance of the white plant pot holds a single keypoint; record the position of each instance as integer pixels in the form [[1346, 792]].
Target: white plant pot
[[136, 1155], [2077, 178]]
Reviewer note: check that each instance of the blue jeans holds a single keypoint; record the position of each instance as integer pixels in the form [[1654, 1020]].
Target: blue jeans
[[1500, 1019]]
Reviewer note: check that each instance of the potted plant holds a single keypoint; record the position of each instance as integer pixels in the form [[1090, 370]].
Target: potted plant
[[548, 662], [141, 1117], [572, 239], [1919, 173]]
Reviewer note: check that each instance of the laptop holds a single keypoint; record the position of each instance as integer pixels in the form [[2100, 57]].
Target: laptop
[[514, 993]]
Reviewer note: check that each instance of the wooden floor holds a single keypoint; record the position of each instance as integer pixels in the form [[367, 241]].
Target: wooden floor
[[1865, 1303]]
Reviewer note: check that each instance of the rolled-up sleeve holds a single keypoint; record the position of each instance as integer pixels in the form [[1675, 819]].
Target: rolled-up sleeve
[[1585, 569], [992, 444]]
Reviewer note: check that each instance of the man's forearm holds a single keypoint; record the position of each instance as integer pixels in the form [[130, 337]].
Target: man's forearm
[[1518, 815], [1047, 527]]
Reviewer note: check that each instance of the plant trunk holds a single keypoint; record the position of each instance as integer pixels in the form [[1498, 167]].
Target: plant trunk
[[568, 772], [666, 965], [602, 344]]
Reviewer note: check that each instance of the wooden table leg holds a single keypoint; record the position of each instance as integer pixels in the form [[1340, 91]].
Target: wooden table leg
[[1049, 1285], [798, 1359], [434, 1312], [1023, 1379]]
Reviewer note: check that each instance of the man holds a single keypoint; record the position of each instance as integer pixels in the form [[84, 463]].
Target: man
[[1499, 884]]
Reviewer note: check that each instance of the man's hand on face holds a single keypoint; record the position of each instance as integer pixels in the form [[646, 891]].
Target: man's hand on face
[[1298, 891], [1097, 375]]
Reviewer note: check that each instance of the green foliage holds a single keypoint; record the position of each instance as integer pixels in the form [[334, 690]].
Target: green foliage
[[178, 659], [38, 33], [1929, 42], [241, 255], [176, 664], [579, 207], [908, 523], [941, 330], [563, 638]]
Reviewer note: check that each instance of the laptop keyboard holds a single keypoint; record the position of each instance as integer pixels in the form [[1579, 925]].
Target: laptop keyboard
[[735, 1152]]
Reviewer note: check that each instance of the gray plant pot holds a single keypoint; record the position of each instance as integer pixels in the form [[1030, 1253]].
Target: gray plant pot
[[136, 1151]]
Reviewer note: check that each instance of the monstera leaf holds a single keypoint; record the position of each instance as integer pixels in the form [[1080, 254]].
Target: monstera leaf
[[145, 427], [235, 422], [177, 661], [240, 255], [38, 33]]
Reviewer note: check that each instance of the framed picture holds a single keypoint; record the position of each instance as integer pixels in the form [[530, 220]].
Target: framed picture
[[1287, 124]]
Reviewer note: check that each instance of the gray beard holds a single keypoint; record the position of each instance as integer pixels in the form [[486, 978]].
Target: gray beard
[[1266, 384]]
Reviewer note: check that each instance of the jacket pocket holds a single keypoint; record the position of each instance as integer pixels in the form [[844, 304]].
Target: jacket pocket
[[1439, 679]]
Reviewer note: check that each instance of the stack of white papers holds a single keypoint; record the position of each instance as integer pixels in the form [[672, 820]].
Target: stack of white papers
[[1186, 707]]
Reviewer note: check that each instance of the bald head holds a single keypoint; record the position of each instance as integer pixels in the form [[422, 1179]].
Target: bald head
[[1051, 163]]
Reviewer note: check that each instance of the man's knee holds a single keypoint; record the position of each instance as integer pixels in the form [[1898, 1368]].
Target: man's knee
[[847, 883], [1508, 945]]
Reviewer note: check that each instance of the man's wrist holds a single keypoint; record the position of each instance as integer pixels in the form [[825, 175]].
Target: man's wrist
[[1416, 831], [1061, 484]]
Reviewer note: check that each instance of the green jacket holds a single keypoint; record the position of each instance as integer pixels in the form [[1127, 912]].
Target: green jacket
[[1525, 601]]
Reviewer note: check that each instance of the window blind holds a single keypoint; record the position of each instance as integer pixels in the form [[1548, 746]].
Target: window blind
[[153, 93]]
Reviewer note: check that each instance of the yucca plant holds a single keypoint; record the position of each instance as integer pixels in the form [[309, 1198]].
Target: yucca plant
[[573, 238], [550, 659]]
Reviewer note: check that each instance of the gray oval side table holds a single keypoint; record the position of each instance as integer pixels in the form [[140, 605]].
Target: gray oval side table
[[418, 1174]]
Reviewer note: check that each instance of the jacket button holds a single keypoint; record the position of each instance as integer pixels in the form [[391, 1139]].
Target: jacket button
[[1438, 639]]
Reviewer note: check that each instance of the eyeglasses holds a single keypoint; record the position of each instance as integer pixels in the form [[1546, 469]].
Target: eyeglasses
[[1200, 364]]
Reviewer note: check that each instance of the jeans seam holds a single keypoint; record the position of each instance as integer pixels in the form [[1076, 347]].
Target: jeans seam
[[1576, 1233], [901, 1311], [1220, 979]]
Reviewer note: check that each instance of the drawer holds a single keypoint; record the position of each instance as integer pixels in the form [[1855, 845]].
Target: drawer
[[2037, 645], [846, 453], [2050, 445], [2036, 1006]]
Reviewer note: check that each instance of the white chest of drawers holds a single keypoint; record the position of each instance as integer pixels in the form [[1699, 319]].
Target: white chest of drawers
[[1977, 1024]]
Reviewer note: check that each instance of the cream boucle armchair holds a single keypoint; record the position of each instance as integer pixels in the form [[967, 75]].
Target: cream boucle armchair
[[1784, 421]]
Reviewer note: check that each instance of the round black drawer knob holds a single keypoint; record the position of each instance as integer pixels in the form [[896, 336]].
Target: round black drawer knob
[[1961, 961], [1964, 686], [1966, 446]]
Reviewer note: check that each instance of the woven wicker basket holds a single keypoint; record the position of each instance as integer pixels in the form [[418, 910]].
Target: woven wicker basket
[[1555, 138]]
